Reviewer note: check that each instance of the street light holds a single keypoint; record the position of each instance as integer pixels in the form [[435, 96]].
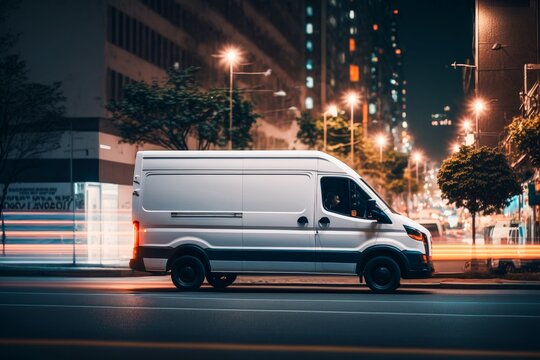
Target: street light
[[479, 106], [231, 56], [332, 110], [351, 100], [417, 157], [467, 125], [381, 141]]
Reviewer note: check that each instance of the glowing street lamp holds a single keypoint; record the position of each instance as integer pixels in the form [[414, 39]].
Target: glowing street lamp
[[381, 141], [467, 125], [352, 99], [479, 106], [417, 157], [332, 111], [231, 56]]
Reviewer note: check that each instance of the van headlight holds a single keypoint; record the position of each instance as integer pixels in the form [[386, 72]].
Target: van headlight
[[413, 233]]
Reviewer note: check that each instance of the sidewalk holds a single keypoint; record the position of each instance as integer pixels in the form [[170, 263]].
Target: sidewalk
[[530, 281]]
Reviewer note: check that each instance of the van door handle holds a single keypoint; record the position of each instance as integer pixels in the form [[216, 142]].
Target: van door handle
[[324, 221], [302, 220]]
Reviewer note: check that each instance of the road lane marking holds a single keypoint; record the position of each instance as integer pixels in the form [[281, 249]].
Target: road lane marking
[[333, 312], [207, 346], [187, 297]]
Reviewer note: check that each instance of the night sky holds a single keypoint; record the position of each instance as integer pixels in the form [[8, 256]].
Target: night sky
[[433, 35]]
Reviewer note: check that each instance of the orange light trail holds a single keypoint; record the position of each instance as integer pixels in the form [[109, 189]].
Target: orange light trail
[[483, 252]]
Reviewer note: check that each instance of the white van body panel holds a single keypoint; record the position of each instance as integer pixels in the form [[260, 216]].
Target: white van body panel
[[257, 212]]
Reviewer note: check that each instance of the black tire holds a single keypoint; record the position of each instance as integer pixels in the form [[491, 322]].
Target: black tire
[[187, 273], [220, 280], [382, 274]]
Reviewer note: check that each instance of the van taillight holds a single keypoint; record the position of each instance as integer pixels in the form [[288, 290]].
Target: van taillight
[[135, 239]]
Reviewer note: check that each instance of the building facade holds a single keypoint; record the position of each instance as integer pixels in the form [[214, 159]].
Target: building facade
[[507, 49], [354, 46], [94, 48]]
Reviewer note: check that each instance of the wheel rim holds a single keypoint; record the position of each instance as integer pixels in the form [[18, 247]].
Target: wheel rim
[[187, 274], [382, 275]]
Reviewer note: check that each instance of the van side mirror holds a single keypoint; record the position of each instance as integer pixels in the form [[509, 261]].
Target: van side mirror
[[373, 212]]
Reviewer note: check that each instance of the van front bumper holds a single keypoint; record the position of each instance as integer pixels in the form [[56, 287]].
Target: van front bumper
[[416, 267], [137, 264]]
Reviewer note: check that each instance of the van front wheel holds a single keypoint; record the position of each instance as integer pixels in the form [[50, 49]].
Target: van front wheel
[[220, 280], [382, 274], [187, 273]]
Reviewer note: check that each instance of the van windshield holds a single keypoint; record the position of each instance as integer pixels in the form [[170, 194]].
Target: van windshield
[[379, 196]]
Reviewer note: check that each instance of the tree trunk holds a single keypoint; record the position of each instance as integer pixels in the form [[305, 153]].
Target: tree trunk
[[473, 228]]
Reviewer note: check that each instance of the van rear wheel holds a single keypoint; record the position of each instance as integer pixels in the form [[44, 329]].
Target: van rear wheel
[[220, 280], [382, 274], [187, 273]]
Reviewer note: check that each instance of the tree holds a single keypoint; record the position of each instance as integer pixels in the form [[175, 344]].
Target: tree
[[30, 119], [168, 114], [525, 137], [479, 180]]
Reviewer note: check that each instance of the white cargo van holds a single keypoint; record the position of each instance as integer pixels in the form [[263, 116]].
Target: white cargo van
[[217, 214]]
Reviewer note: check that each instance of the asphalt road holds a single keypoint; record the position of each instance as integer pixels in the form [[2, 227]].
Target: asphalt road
[[145, 318]]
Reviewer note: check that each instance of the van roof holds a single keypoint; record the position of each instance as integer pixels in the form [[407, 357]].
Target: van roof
[[253, 154], [238, 154]]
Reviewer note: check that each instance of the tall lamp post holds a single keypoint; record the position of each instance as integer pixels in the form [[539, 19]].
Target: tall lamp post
[[417, 157], [332, 111], [479, 106], [352, 100], [231, 56], [381, 141]]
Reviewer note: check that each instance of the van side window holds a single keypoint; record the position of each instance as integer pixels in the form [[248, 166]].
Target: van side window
[[343, 196]]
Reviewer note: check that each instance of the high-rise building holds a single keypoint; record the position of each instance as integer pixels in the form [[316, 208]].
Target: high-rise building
[[507, 38], [354, 46], [95, 47]]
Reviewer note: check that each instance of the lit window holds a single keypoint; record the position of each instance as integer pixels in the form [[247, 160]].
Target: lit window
[[404, 124], [394, 95], [404, 114], [354, 73], [309, 64], [309, 28], [309, 103], [342, 58], [374, 58], [396, 11], [398, 51], [352, 45], [309, 11], [351, 14], [393, 82], [352, 30], [375, 27], [309, 81], [309, 45], [332, 82], [372, 109]]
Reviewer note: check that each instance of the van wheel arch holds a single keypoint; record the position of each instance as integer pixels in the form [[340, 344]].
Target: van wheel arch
[[191, 250], [384, 250]]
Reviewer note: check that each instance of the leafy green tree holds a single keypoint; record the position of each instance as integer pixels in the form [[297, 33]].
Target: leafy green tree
[[479, 180], [525, 137], [395, 163], [30, 117], [168, 114]]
